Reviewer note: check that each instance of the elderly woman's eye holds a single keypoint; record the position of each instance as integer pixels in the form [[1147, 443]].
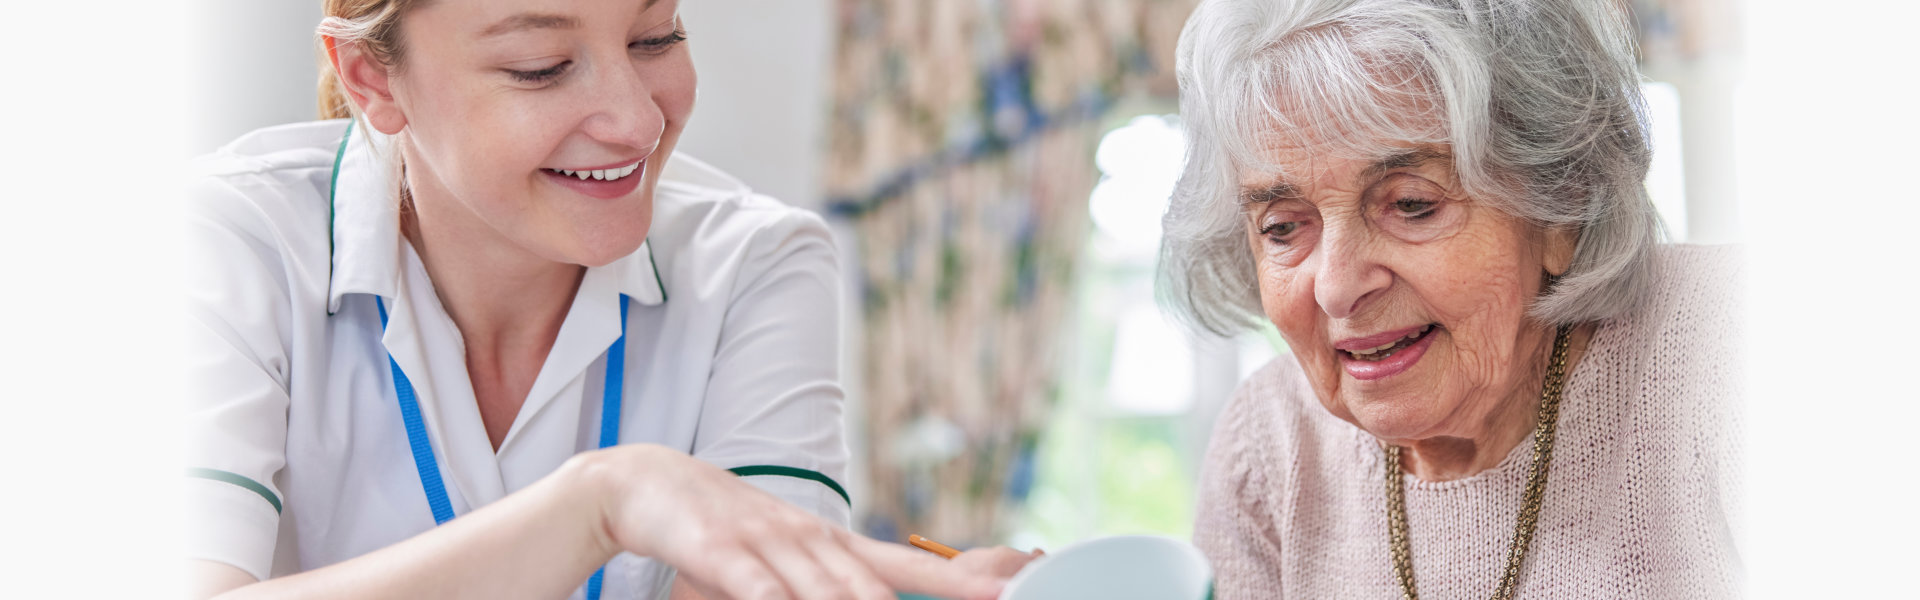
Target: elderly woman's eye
[[1414, 208], [1279, 231]]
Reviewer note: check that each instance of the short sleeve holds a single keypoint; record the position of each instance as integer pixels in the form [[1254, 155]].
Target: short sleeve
[[237, 365], [773, 411]]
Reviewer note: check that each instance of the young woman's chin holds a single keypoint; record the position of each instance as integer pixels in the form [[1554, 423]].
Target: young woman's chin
[[594, 251], [585, 244], [595, 238]]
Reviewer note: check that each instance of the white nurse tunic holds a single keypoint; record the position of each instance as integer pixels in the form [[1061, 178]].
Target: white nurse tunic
[[298, 456]]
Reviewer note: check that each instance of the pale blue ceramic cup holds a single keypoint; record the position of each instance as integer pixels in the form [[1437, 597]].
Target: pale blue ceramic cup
[[1127, 567]]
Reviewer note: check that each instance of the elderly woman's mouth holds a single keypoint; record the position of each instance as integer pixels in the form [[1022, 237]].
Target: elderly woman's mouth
[[1385, 355]]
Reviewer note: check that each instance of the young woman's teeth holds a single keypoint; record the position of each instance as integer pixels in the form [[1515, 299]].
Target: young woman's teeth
[[601, 174]]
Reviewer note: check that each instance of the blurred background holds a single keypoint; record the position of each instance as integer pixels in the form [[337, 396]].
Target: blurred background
[[995, 171]]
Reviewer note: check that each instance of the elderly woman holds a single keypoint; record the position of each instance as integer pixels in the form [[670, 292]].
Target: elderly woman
[[1500, 383]]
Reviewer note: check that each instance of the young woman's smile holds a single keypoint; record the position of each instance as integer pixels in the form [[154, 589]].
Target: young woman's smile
[[604, 182]]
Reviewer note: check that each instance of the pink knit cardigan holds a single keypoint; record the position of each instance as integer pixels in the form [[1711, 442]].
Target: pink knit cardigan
[[1641, 497]]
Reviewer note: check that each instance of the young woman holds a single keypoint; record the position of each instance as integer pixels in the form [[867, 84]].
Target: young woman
[[484, 335]]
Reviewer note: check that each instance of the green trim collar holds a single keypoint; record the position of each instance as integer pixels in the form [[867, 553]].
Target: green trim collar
[[333, 187], [663, 297]]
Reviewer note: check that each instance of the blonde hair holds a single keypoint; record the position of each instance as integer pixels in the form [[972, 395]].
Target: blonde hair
[[375, 26]]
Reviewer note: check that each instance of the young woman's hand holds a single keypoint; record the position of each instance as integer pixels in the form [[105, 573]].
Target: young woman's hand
[[729, 539], [997, 561]]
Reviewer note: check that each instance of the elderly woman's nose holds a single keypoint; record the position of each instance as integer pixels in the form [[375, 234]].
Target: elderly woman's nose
[[1348, 276], [623, 110]]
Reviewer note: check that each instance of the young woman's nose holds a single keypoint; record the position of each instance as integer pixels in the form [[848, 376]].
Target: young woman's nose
[[624, 111], [1348, 275]]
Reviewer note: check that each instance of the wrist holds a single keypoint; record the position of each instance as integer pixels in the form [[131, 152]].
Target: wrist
[[593, 489]]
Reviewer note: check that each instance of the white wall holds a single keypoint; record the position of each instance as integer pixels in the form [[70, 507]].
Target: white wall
[[1824, 147], [254, 66], [764, 70]]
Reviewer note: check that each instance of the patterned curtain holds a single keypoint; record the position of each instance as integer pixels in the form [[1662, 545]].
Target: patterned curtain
[[961, 148]]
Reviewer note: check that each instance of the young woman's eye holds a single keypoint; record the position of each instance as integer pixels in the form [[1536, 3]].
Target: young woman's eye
[[541, 75], [1414, 209], [659, 44]]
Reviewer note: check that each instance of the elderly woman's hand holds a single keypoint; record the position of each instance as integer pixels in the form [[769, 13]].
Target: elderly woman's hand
[[729, 539]]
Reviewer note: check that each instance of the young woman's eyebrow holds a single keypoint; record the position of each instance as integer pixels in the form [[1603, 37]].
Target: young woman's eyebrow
[[525, 21]]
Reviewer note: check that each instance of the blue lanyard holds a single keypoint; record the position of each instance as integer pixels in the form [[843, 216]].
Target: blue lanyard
[[423, 448]]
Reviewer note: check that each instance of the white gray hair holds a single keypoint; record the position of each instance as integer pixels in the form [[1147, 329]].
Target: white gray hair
[[1540, 100]]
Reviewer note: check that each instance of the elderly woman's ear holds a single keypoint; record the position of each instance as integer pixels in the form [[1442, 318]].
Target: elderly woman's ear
[[1560, 243]]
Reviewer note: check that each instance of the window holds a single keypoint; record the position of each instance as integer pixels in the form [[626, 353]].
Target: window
[[1121, 454]]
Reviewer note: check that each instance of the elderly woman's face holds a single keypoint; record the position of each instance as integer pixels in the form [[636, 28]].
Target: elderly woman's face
[[1403, 299], [548, 120]]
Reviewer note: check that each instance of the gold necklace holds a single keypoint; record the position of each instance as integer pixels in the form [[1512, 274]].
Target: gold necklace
[[1536, 484]]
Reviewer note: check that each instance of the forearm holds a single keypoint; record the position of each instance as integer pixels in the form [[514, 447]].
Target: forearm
[[684, 591], [540, 542]]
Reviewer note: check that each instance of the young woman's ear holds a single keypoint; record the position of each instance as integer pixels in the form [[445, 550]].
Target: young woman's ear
[[368, 86]]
